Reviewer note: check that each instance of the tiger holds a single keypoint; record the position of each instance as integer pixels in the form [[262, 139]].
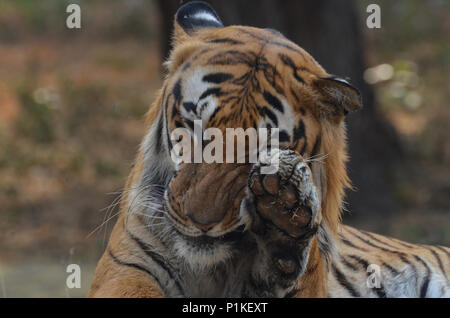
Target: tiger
[[211, 229]]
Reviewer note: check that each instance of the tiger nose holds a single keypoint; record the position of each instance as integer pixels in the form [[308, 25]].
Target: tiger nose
[[204, 227]]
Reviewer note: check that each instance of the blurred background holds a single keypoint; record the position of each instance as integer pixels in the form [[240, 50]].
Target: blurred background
[[72, 104]]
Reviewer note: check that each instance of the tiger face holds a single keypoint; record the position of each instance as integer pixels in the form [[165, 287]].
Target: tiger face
[[235, 77]]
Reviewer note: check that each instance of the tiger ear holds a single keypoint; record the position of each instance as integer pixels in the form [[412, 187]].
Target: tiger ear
[[192, 17], [337, 97]]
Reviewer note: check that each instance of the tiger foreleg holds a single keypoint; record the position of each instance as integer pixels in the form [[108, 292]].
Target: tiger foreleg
[[284, 208]]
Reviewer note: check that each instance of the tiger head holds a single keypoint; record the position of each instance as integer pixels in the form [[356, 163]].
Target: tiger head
[[234, 77]]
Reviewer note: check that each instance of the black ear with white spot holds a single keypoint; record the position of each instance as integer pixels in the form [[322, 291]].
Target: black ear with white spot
[[196, 15], [337, 97]]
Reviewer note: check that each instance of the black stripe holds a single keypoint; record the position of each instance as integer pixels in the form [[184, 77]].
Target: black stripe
[[302, 151], [189, 122], [287, 46], [406, 261], [232, 57], [160, 124], [163, 121], [159, 129], [284, 136], [190, 106], [273, 101], [218, 108], [297, 99], [288, 61], [177, 91], [344, 282], [348, 243], [438, 258], [174, 107], [361, 261], [166, 109], [443, 250], [379, 291], [374, 245], [315, 149], [200, 54], [271, 115], [292, 293], [211, 91], [349, 265], [217, 78], [178, 124], [253, 35], [402, 243], [299, 131], [270, 41], [226, 40], [147, 250], [378, 240], [426, 280], [390, 268], [136, 266], [186, 66], [158, 259]]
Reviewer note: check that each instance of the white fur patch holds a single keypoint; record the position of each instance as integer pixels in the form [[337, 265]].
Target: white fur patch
[[286, 120], [193, 88], [199, 258]]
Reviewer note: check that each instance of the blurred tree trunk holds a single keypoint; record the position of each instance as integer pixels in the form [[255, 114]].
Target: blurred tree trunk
[[331, 31]]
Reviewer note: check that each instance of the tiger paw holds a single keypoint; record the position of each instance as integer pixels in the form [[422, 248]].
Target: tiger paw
[[283, 206], [286, 199]]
